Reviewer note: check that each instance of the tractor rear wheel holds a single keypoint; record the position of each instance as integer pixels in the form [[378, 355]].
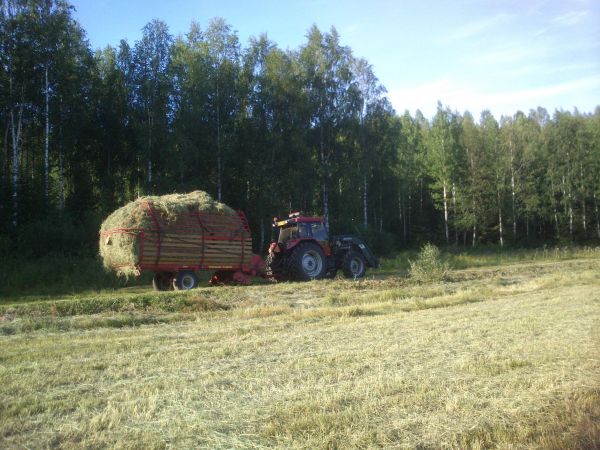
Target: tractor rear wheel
[[307, 262], [354, 265], [274, 267], [185, 280], [163, 281]]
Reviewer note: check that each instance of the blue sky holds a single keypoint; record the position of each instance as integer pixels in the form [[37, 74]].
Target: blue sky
[[498, 55]]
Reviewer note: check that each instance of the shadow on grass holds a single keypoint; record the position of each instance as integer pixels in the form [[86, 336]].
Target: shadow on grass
[[23, 280]]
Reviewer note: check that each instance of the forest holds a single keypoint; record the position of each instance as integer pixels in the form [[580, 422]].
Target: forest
[[267, 130]]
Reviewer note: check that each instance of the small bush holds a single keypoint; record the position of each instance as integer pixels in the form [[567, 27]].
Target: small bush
[[429, 265]]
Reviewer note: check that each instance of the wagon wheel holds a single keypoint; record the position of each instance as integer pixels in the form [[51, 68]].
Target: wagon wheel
[[185, 280], [163, 281]]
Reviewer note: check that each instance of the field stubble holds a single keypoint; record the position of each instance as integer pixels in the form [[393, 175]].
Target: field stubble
[[496, 357]]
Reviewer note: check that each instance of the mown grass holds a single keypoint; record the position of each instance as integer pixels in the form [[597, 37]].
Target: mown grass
[[496, 356]]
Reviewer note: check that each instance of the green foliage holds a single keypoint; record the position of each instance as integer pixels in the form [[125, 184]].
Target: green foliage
[[429, 265], [56, 236], [379, 241], [267, 130]]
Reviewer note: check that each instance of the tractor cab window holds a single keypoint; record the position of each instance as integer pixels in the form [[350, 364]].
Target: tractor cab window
[[285, 234], [303, 230], [293, 232], [319, 232]]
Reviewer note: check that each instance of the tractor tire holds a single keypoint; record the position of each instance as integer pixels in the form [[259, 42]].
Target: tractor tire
[[275, 267], [185, 280], [163, 281], [307, 262], [354, 265]]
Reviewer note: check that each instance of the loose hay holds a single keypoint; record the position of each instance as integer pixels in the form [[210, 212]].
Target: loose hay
[[120, 251]]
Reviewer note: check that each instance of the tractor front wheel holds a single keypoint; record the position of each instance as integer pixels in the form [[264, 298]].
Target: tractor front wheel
[[354, 265], [308, 262], [185, 280]]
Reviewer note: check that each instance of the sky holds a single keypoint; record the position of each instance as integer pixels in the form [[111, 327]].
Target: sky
[[496, 55]]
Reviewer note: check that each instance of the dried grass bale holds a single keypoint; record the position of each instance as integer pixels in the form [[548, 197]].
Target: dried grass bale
[[120, 251]]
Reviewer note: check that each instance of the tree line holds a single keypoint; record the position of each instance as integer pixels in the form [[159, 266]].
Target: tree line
[[267, 130]]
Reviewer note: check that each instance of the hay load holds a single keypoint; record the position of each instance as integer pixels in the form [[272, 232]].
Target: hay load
[[170, 232]]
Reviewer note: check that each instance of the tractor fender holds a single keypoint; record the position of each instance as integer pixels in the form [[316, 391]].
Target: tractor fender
[[293, 243]]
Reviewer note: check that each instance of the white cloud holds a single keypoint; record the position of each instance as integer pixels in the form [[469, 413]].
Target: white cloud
[[571, 18], [473, 29], [509, 54]]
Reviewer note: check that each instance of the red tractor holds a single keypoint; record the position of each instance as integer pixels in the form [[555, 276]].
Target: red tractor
[[304, 251]]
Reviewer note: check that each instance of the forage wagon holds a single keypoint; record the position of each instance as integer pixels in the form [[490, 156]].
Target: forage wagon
[[177, 235]]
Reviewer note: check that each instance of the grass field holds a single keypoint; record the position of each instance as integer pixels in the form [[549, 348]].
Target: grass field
[[505, 353]]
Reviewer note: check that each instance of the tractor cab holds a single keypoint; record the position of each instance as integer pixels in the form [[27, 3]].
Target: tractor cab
[[297, 228]]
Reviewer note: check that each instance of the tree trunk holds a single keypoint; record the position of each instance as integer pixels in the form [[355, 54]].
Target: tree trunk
[[61, 174], [513, 190], [365, 202], [421, 197], [380, 207], [564, 193], [61, 178], [4, 168], [47, 145], [597, 216], [454, 214], [474, 224], [16, 142], [446, 215], [500, 226], [555, 211], [408, 213], [583, 216], [402, 216], [514, 208], [149, 161], [325, 205], [219, 155], [500, 230], [570, 214], [324, 163]]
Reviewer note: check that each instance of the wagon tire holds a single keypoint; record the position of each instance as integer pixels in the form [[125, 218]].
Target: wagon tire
[[163, 281], [185, 280]]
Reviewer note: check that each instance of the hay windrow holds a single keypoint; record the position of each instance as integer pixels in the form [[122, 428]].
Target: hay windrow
[[120, 251]]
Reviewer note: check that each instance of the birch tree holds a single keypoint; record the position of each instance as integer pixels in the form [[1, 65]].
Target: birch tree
[[327, 75], [441, 142], [223, 56], [151, 56], [369, 91], [498, 162]]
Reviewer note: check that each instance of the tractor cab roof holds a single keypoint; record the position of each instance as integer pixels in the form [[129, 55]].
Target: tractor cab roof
[[294, 218]]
